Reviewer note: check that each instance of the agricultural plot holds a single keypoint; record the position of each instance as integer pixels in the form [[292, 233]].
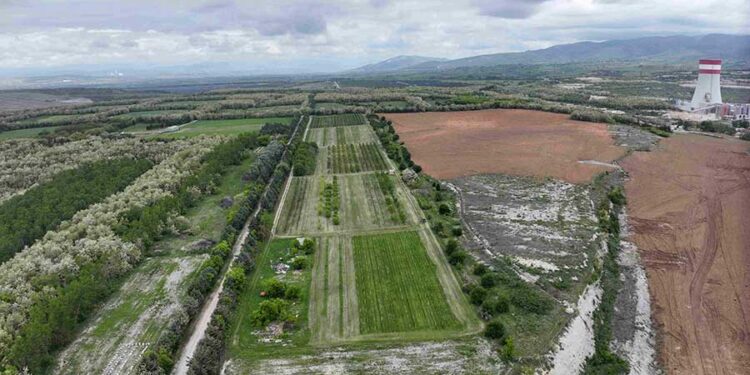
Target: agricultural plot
[[338, 120], [397, 285], [355, 158], [334, 314], [363, 206], [329, 136], [253, 335], [26, 133]]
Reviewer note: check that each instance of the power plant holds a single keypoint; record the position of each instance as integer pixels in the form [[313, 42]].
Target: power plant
[[708, 90]]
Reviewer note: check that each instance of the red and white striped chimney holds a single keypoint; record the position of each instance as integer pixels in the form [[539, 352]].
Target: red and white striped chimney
[[708, 89]]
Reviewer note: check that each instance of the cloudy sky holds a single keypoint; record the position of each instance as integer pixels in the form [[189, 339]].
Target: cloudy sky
[[329, 35]]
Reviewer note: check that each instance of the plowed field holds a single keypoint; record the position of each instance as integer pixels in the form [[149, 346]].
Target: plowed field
[[511, 141], [689, 207]]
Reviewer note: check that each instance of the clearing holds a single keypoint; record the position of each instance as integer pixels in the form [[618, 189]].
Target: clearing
[[511, 141], [688, 206]]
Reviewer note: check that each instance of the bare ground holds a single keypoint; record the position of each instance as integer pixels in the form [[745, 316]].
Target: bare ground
[[510, 141], [689, 208]]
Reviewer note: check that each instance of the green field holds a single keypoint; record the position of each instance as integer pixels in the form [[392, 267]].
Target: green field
[[338, 120], [397, 285], [224, 127], [351, 158], [246, 343], [25, 133]]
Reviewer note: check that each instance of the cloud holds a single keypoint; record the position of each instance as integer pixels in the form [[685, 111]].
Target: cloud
[[516, 9], [326, 34]]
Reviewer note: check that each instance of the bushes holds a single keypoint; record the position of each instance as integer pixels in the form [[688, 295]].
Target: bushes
[[495, 330], [603, 361], [530, 300], [716, 127], [304, 161], [271, 310]]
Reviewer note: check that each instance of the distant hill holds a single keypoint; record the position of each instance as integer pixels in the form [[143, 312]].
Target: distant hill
[[395, 64], [734, 49]]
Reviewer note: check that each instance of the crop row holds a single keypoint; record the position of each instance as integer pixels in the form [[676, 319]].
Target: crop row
[[355, 158], [388, 188], [338, 120], [397, 285], [330, 200]]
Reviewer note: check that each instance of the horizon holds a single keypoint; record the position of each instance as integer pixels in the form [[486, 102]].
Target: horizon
[[49, 37]]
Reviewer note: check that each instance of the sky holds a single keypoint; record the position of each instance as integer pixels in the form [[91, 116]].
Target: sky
[[328, 35]]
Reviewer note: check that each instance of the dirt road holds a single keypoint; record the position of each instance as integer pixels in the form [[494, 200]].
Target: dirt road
[[510, 141], [689, 205], [204, 317]]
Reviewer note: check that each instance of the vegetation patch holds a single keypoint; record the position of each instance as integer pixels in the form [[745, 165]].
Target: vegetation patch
[[25, 218], [397, 286], [352, 158], [338, 120]]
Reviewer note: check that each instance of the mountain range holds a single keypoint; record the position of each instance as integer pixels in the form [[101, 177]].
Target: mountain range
[[733, 49]]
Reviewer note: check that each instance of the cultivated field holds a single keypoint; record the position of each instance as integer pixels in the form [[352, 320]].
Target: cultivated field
[[377, 275], [689, 210], [518, 142], [328, 136], [363, 205], [350, 158], [397, 285], [338, 120]]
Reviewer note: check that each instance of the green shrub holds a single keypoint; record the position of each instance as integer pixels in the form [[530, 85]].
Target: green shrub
[[531, 300], [274, 288], [477, 295], [457, 258], [495, 330], [457, 231], [271, 311], [444, 209], [299, 263], [616, 196], [293, 292], [488, 280], [480, 269]]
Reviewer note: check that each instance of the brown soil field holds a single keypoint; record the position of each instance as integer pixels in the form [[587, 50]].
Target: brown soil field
[[689, 207], [511, 141]]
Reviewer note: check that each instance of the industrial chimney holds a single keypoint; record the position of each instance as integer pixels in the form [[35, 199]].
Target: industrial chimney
[[707, 91]]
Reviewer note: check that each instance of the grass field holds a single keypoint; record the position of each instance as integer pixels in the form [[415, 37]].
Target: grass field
[[397, 286], [25, 133], [328, 136], [350, 158], [224, 127], [247, 339], [338, 120]]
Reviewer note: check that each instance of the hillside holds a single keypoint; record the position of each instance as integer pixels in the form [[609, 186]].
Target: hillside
[[734, 49], [396, 63]]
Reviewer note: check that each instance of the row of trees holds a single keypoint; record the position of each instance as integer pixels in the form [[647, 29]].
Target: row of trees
[[25, 163], [209, 355], [72, 269], [27, 217], [160, 358]]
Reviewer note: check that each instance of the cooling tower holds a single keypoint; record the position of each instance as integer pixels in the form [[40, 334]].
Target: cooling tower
[[707, 91]]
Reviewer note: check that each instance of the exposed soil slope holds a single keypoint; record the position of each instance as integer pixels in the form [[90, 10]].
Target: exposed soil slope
[[511, 141], [689, 206]]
